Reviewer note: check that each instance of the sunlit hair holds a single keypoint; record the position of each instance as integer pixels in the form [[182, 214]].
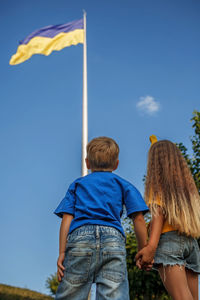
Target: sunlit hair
[[102, 154], [170, 180]]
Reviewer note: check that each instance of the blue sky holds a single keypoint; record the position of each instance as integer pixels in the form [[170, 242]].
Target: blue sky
[[143, 79]]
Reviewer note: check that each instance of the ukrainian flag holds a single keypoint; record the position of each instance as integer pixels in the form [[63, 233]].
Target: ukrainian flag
[[48, 39]]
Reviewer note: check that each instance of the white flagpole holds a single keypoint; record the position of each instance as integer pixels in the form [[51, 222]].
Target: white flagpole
[[85, 106]]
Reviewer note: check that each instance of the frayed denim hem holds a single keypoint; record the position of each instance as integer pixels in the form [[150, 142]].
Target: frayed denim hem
[[181, 265], [156, 266]]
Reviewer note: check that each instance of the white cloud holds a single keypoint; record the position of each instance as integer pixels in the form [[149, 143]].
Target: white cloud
[[148, 105]]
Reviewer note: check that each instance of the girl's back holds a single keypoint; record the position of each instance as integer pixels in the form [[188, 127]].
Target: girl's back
[[175, 206], [170, 182]]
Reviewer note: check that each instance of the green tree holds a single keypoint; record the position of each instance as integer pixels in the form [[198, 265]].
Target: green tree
[[52, 283], [194, 160]]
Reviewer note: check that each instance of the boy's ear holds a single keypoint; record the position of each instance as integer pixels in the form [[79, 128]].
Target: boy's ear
[[87, 163], [116, 166]]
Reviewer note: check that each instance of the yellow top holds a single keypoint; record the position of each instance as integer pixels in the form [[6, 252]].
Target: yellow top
[[166, 226]]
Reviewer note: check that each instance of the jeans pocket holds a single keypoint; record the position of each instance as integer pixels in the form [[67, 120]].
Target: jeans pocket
[[114, 265], [77, 265], [170, 245]]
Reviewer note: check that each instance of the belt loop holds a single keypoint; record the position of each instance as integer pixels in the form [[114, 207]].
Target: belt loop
[[97, 231]]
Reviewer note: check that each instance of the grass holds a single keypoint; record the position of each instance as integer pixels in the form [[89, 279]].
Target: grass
[[14, 293]]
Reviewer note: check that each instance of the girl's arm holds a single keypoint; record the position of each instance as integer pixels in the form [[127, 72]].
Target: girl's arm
[[64, 230], [146, 255]]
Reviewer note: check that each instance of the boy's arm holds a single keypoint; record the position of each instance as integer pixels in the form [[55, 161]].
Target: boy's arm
[[147, 253], [140, 229], [64, 230]]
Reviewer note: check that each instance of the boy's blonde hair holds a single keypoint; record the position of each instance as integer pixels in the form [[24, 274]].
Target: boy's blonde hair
[[169, 179], [102, 154]]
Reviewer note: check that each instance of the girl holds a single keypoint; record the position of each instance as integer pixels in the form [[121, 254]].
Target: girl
[[174, 203]]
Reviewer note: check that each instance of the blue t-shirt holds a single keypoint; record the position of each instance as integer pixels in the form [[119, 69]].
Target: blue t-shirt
[[98, 199]]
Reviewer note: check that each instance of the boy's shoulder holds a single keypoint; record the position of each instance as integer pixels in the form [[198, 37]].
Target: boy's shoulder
[[123, 181], [104, 176]]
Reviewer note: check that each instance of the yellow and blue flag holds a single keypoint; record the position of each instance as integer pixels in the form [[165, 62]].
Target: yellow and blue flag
[[48, 39]]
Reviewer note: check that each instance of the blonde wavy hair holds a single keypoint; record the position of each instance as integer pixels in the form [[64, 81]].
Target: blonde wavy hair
[[170, 180]]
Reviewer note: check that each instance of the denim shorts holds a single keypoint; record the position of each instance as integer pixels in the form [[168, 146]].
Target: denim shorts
[[94, 254], [177, 249]]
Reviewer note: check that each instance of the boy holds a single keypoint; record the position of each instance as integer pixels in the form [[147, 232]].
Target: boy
[[91, 226]]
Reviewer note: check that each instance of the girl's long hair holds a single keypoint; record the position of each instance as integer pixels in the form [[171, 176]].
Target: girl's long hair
[[170, 180]]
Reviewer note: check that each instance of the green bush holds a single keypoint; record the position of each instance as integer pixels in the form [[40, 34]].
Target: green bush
[[52, 283]]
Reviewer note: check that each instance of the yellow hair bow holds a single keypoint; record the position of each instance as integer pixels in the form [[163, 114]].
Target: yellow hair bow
[[153, 139]]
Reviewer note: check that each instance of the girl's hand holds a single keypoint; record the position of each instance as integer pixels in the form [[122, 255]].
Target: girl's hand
[[60, 267]]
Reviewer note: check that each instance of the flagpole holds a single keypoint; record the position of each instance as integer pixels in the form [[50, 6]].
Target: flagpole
[[85, 105]]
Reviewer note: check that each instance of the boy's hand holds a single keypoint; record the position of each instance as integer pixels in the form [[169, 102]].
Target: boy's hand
[[60, 267], [144, 258], [144, 267], [138, 263]]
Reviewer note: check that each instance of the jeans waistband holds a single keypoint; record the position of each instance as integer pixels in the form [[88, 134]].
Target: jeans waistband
[[96, 230]]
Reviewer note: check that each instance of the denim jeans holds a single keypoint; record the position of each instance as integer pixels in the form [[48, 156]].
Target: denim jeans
[[178, 249], [94, 254]]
